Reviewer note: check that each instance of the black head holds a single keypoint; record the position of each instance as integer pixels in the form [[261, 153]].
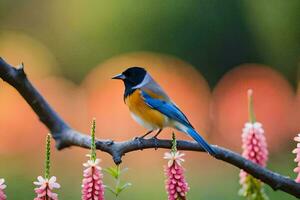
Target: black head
[[132, 76]]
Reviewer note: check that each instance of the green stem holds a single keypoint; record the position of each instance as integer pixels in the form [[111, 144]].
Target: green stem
[[174, 143], [93, 144], [118, 182], [251, 114], [47, 163]]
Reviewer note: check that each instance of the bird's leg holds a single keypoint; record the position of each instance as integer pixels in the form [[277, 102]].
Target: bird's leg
[[142, 137], [146, 134], [155, 138], [157, 133]]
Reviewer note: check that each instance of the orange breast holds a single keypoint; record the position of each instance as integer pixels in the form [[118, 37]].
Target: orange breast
[[140, 109]]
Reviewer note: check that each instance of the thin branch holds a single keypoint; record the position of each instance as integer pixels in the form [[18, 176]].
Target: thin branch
[[65, 136]]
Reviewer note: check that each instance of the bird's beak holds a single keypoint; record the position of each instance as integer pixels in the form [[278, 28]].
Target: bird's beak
[[119, 76]]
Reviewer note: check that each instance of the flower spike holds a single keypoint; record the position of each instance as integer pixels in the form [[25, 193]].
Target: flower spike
[[2, 187], [47, 184], [93, 144], [92, 183], [297, 159], [47, 163], [176, 185], [254, 149], [251, 114]]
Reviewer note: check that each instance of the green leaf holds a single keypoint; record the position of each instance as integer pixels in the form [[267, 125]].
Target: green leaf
[[119, 189], [111, 190], [113, 171], [252, 189], [124, 186]]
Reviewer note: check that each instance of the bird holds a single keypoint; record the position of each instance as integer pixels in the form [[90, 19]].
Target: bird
[[152, 108]]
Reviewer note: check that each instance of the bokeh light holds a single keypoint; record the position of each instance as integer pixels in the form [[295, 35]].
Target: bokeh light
[[273, 102], [20, 48]]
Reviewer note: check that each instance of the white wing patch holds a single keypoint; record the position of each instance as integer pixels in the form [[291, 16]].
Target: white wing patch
[[143, 123]]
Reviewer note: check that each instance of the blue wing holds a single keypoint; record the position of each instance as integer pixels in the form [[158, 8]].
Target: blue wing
[[167, 108], [172, 111]]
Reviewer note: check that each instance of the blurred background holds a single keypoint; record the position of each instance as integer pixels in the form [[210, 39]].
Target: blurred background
[[206, 54]]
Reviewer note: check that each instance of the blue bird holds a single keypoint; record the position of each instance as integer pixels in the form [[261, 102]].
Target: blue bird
[[151, 107]]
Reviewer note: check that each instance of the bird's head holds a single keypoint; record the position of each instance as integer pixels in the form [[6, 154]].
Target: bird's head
[[132, 76]]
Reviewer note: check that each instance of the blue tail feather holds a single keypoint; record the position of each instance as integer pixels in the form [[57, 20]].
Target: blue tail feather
[[201, 141]]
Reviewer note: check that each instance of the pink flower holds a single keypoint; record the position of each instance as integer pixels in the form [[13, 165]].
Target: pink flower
[[176, 184], [92, 184], [297, 159], [254, 146], [254, 149], [45, 187], [2, 187]]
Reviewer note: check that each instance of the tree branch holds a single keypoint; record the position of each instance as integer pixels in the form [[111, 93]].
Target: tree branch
[[65, 136]]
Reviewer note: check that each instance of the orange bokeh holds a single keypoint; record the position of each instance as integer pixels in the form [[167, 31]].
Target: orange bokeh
[[296, 120], [18, 123], [19, 48], [273, 105]]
